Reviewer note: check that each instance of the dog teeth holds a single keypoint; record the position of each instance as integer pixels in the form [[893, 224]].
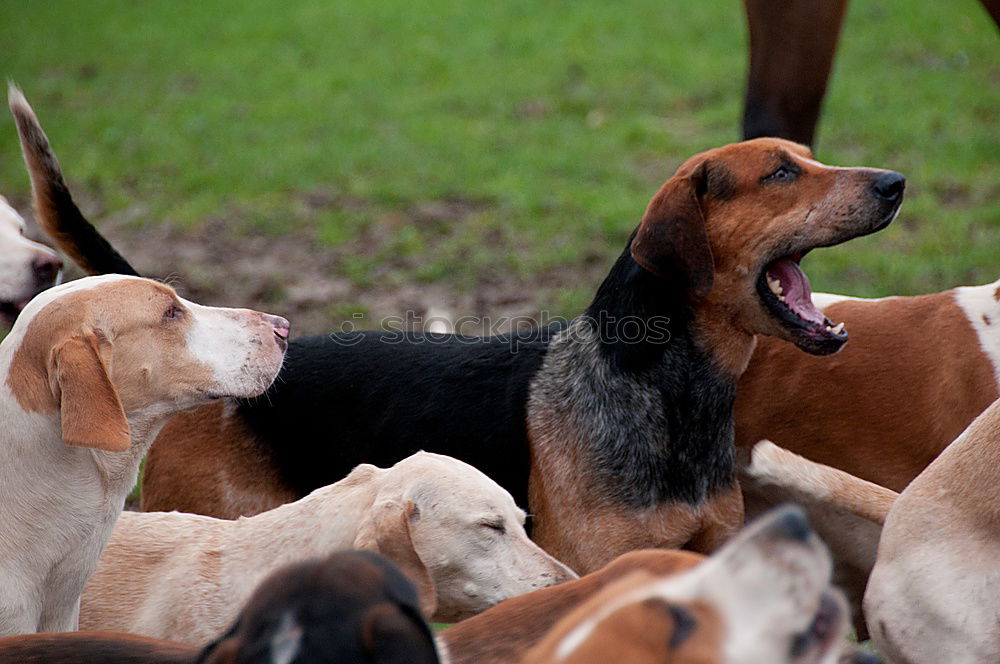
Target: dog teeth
[[775, 286], [836, 330]]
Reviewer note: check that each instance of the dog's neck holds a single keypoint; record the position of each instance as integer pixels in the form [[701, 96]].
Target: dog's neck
[[650, 404], [42, 430], [630, 292], [325, 521]]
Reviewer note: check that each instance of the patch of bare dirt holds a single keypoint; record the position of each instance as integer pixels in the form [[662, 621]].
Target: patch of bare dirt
[[294, 276]]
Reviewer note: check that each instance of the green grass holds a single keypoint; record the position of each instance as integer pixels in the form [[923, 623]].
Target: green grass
[[553, 121]]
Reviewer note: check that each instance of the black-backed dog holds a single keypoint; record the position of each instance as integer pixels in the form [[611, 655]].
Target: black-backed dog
[[354, 606], [615, 430]]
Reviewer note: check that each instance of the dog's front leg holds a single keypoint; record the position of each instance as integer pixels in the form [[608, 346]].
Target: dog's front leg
[[60, 616]]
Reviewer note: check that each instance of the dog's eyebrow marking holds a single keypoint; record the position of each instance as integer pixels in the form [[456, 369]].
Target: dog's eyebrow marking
[[286, 640], [721, 184], [789, 162]]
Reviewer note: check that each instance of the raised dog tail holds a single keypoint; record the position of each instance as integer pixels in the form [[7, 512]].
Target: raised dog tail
[[55, 210]]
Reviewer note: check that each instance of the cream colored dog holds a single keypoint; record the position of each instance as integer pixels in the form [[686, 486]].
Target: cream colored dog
[[764, 597], [26, 267], [456, 533], [934, 595], [90, 372]]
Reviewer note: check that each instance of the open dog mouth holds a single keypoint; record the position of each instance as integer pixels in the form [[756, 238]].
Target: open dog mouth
[[784, 288]]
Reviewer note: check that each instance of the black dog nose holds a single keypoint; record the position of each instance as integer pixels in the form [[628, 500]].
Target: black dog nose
[[889, 186], [46, 268], [791, 523]]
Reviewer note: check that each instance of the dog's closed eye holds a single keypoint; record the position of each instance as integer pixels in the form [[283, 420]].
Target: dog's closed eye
[[494, 524]]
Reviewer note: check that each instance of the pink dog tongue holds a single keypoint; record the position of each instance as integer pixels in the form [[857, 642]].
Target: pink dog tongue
[[796, 290]]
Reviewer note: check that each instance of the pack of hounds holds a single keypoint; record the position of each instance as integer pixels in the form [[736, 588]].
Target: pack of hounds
[[307, 500]]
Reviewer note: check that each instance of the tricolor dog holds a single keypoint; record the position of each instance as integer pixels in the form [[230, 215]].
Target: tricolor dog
[[507, 631], [88, 374], [627, 440], [618, 424]]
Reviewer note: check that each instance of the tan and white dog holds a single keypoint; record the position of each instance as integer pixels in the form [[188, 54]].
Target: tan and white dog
[[934, 595], [90, 371], [26, 267], [764, 597], [917, 371], [452, 530]]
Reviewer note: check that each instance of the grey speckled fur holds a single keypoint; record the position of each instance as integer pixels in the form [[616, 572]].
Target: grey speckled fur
[[661, 433]]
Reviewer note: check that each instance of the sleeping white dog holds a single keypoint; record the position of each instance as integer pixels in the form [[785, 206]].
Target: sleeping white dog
[[452, 530]]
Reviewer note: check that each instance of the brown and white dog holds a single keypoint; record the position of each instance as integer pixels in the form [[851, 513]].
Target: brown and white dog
[[26, 267], [508, 630], [90, 372], [933, 595], [456, 533], [764, 597], [917, 371]]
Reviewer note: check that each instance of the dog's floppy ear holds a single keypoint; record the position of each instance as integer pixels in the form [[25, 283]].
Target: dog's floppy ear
[[672, 241], [387, 531], [91, 412]]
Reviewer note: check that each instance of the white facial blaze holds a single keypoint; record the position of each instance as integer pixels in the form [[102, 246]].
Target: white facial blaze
[[218, 340], [238, 349], [287, 639]]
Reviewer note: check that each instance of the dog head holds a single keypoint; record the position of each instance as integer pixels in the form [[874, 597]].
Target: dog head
[[733, 223], [457, 534], [764, 597], [107, 352]]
